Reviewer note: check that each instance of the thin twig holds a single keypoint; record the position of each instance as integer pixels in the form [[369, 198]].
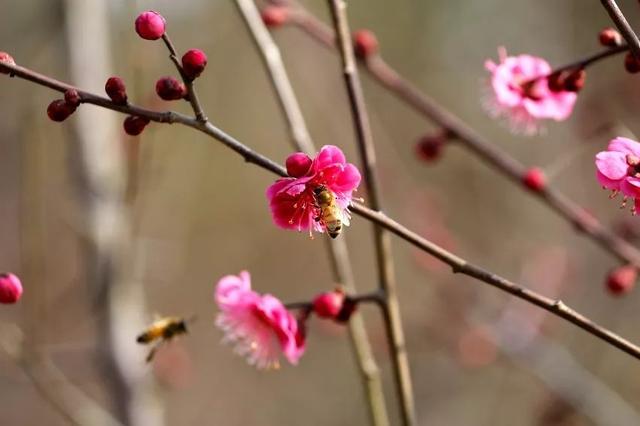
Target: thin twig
[[477, 144], [382, 240], [337, 249], [625, 29], [188, 82], [458, 264]]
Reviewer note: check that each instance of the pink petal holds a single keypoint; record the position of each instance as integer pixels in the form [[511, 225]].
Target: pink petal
[[606, 182], [328, 155], [630, 187], [231, 289], [613, 165], [624, 145], [347, 180]]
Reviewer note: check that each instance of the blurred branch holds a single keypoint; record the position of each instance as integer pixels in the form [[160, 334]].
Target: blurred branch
[[625, 29], [100, 176], [382, 240], [337, 249], [70, 402], [458, 264], [477, 144]]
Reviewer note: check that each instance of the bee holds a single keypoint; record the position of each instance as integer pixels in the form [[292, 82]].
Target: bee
[[330, 213], [162, 330]]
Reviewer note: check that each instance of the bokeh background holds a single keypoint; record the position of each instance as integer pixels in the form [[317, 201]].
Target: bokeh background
[[177, 211]]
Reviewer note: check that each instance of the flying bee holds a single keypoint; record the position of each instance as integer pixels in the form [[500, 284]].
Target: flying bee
[[330, 213], [161, 331]]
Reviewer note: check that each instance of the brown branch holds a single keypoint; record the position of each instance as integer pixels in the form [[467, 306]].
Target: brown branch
[[337, 249], [477, 144], [382, 240], [625, 29], [458, 264]]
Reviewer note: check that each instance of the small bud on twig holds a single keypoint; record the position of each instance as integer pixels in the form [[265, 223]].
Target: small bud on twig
[[116, 90], [193, 63], [365, 44], [621, 280], [275, 16], [150, 25], [170, 89]]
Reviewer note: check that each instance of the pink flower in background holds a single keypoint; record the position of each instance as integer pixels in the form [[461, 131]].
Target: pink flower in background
[[521, 94], [618, 169], [260, 326], [292, 198]]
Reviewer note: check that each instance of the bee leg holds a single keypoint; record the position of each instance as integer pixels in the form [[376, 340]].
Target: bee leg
[[152, 352]]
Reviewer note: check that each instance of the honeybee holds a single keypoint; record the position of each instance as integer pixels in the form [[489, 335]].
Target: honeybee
[[330, 213], [162, 330]]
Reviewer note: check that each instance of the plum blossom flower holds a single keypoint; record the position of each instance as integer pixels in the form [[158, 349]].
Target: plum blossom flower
[[618, 169], [521, 94], [291, 199], [259, 325]]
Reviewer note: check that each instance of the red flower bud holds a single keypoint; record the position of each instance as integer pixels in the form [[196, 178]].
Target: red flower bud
[[609, 37], [555, 82], [631, 64], [534, 179], [170, 89], [621, 280], [10, 288], [575, 81], [298, 164], [134, 125], [193, 63], [59, 110], [5, 58], [365, 43], [72, 98], [275, 16], [429, 147], [150, 25], [328, 305], [116, 90]]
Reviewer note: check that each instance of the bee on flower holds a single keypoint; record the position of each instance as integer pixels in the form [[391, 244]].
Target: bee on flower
[[317, 193]]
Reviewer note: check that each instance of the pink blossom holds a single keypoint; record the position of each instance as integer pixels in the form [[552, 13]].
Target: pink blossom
[[618, 169], [521, 93], [291, 199], [259, 325]]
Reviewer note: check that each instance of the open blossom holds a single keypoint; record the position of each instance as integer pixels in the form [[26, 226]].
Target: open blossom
[[521, 94], [259, 325], [618, 169], [291, 199]]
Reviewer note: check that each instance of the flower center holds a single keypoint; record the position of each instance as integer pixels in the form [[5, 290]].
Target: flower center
[[634, 165]]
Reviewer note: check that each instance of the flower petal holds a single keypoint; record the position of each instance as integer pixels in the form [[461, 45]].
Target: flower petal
[[624, 145], [612, 164]]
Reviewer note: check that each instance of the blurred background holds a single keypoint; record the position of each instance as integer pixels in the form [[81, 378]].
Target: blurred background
[[105, 230]]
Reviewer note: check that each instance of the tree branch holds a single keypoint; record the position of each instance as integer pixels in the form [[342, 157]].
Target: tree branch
[[382, 240], [625, 29], [458, 264], [337, 249]]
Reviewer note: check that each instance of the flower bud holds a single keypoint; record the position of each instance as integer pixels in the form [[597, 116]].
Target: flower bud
[[116, 90], [609, 37], [298, 164], [170, 89], [72, 98], [328, 305], [275, 16], [193, 63], [365, 44], [10, 288], [5, 58], [555, 82], [134, 125], [429, 147], [575, 81], [621, 280], [631, 64], [150, 25], [59, 110], [534, 179]]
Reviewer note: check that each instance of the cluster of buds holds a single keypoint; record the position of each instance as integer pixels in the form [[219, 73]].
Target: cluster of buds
[[60, 109], [567, 81]]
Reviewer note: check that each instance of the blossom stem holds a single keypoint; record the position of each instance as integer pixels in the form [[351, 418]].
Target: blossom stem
[[458, 264], [474, 142], [337, 249], [382, 239], [191, 92], [373, 297], [625, 29]]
